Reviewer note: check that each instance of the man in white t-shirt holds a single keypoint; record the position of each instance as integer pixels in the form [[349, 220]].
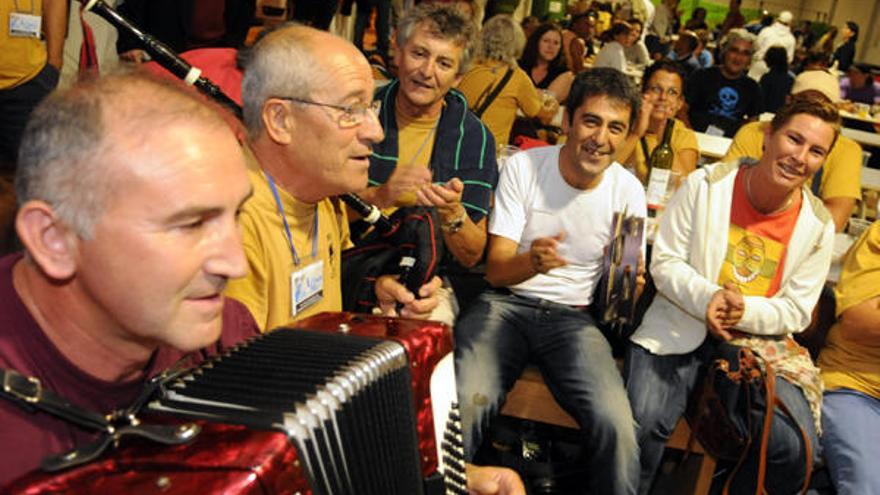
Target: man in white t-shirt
[[549, 229]]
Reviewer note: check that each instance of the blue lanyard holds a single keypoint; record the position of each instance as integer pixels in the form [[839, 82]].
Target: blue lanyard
[[287, 227]]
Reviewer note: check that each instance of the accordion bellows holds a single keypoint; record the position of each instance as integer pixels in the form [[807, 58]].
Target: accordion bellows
[[344, 401]]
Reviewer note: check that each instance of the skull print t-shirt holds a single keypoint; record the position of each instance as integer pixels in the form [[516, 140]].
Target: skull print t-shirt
[[756, 243], [721, 102]]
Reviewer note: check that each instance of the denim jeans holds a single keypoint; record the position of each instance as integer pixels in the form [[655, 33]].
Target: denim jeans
[[851, 441], [502, 333], [658, 389]]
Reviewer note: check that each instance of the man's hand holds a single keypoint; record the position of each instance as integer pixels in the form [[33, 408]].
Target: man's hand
[[445, 197], [136, 56], [492, 480], [543, 253], [404, 180], [390, 292], [640, 278]]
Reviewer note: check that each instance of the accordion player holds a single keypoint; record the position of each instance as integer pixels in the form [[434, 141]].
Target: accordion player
[[342, 404]]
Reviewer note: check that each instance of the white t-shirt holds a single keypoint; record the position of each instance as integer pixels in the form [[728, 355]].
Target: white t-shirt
[[611, 55], [533, 200]]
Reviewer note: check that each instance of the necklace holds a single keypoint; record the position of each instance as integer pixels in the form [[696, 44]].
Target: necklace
[[752, 200]]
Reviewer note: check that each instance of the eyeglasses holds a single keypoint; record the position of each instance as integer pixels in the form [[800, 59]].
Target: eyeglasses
[[670, 92], [350, 116]]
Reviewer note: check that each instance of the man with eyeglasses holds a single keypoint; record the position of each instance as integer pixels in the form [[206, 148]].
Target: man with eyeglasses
[[436, 152], [721, 98], [662, 97], [311, 125]]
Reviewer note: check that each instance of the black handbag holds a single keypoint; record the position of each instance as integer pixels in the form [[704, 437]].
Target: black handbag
[[720, 411]]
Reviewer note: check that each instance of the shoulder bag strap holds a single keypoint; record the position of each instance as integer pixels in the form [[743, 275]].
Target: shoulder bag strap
[[489, 99]]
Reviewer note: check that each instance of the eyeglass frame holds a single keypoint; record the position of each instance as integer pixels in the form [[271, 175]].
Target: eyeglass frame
[[356, 112]]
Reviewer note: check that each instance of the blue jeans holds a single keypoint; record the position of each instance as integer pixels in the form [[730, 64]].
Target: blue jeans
[[501, 333], [851, 441], [658, 389]]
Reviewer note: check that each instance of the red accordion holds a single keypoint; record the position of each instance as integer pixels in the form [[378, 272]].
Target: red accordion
[[341, 404]]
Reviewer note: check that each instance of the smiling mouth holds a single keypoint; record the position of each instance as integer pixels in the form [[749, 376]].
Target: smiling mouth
[[790, 170], [421, 84]]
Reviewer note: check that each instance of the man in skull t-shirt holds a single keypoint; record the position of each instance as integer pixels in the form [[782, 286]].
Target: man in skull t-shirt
[[723, 96]]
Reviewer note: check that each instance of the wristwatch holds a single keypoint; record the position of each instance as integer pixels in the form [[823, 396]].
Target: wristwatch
[[455, 224]]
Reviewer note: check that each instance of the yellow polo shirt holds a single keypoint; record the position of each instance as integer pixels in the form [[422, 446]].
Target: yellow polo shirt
[[20, 58], [847, 364], [266, 289], [518, 93], [682, 139]]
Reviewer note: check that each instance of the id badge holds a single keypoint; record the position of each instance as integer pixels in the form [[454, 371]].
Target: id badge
[[24, 25], [306, 287]]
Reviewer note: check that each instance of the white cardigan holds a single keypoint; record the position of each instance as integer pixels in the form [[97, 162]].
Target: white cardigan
[[690, 248]]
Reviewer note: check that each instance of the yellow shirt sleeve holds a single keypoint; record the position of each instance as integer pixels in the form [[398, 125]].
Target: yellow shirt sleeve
[[842, 177], [748, 141], [860, 275]]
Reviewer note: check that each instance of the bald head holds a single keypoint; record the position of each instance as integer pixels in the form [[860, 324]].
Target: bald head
[[77, 138], [290, 61]]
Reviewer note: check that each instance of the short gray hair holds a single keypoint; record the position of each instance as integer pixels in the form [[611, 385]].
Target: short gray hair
[[501, 39], [281, 63], [736, 34], [71, 145], [445, 22]]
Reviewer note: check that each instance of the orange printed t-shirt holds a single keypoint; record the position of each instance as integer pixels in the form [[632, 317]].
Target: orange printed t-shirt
[[756, 244]]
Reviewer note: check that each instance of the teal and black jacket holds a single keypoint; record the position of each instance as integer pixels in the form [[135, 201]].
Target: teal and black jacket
[[463, 148]]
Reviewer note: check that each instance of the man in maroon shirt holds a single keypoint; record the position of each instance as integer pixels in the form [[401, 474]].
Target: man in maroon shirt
[[128, 194]]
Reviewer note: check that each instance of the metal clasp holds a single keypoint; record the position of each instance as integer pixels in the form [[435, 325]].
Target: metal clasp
[[9, 387]]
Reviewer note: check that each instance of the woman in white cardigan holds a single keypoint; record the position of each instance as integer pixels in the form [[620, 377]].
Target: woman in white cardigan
[[741, 255]]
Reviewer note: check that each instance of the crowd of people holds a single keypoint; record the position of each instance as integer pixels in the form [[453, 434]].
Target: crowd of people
[[152, 224]]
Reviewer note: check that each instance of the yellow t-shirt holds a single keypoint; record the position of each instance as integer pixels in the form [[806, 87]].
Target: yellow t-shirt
[[266, 289], [841, 177], [518, 93], [846, 364], [682, 139], [415, 145], [21, 58]]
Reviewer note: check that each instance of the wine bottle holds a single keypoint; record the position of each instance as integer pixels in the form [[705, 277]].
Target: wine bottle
[[660, 175]]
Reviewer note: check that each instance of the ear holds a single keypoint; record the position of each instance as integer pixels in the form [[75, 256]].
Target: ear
[[277, 121], [566, 125], [768, 131], [51, 243]]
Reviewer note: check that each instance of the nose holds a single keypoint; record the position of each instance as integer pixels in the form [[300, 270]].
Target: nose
[[371, 129], [227, 259], [802, 153], [600, 136]]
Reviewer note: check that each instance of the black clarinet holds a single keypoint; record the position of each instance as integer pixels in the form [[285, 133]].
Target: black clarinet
[[167, 58]]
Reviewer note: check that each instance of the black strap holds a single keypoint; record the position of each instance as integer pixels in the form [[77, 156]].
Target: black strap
[[28, 392], [489, 99], [645, 151]]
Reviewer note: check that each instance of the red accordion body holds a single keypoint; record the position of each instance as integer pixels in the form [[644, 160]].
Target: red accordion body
[[233, 459]]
